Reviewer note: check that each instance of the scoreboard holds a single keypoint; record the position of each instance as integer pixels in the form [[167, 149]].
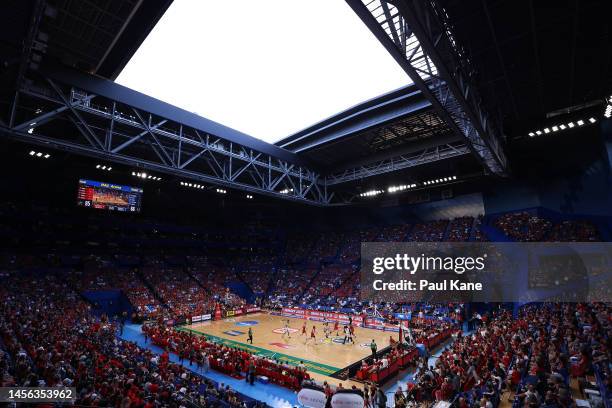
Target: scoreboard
[[109, 196]]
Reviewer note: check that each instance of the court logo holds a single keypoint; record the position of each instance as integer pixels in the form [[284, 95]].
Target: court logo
[[282, 345], [364, 345], [247, 323], [282, 330], [233, 332], [338, 340]]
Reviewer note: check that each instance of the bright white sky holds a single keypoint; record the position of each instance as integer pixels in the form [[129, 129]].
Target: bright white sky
[[268, 68]]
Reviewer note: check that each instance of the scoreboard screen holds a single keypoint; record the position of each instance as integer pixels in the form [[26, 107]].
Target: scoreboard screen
[[108, 196]]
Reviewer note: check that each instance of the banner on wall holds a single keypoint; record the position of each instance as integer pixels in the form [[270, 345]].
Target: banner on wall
[[253, 309], [403, 316], [321, 316]]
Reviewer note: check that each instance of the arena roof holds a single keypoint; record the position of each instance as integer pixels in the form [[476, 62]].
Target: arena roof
[[268, 76], [95, 36], [526, 65], [536, 59]]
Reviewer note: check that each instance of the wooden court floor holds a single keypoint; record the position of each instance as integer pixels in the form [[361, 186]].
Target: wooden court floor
[[324, 357]]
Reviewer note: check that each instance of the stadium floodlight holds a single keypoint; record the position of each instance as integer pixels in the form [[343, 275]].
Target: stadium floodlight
[[580, 122], [592, 120], [531, 134], [555, 128], [103, 167], [562, 127], [454, 177], [571, 125], [538, 132], [30, 130], [248, 196], [38, 154], [32, 152], [97, 166], [47, 156], [546, 130]]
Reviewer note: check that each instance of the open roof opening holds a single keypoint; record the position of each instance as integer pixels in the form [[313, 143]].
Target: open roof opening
[[267, 68]]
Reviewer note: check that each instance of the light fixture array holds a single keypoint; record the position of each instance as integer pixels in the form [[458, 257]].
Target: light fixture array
[[103, 167], [250, 197], [439, 180], [185, 184], [221, 191], [404, 187], [608, 111], [146, 176], [286, 191], [562, 126], [394, 189], [371, 193], [43, 155]]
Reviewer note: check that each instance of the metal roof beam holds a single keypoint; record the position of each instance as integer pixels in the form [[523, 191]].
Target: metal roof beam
[[401, 162], [155, 148], [431, 57]]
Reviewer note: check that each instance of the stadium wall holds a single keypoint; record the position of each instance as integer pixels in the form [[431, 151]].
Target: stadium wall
[[468, 205], [587, 193]]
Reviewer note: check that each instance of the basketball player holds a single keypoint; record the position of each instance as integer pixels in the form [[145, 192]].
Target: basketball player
[[286, 330], [346, 334], [313, 334], [326, 329], [304, 330], [250, 339], [352, 331], [337, 328]]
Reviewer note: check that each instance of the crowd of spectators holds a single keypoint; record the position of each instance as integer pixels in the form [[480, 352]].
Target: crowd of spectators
[[236, 362], [525, 226], [533, 355], [48, 337]]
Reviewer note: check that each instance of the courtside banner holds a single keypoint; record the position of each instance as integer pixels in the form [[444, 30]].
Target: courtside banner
[[347, 400], [311, 398], [486, 272], [201, 318], [321, 316]]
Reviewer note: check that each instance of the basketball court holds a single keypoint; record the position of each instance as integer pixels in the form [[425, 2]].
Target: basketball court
[[325, 356]]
